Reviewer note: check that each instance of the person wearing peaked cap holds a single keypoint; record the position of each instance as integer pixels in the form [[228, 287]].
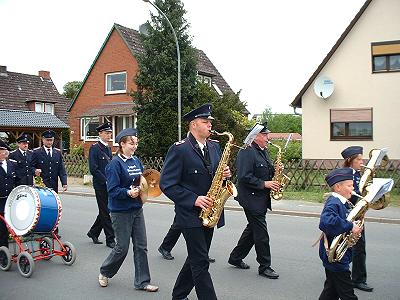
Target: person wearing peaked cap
[[333, 222], [126, 209], [23, 158], [353, 158], [255, 173], [99, 157], [48, 134], [7, 183], [186, 176]]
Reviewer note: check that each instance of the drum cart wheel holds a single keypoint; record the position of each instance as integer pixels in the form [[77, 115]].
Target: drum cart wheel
[[70, 253], [46, 248], [5, 259], [25, 264]]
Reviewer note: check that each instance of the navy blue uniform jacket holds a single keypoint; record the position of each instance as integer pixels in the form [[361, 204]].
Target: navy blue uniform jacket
[[24, 169], [7, 183], [99, 157], [52, 167], [253, 169], [185, 176], [333, 222]]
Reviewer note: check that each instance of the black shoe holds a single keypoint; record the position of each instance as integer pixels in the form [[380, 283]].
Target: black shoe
[[240, 264], [269, 273], [363, 286], [166, 254], [110, 244], [94, 238], [211, 260]]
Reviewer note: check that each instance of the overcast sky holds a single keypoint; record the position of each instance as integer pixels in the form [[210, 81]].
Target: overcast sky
[[267, 49]]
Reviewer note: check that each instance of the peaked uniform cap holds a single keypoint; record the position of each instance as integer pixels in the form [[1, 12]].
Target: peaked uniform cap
[[339, 175], [125, 132], [24, 138], [203, 112], [104, 127], [352, 150], [48, 134], [4, 146]]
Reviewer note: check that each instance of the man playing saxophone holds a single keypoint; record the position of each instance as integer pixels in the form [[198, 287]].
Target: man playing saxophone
[[186, 177], [333, 222], [254, 182]]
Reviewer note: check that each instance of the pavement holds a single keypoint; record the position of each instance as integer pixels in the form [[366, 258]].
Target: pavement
[[389, 215]]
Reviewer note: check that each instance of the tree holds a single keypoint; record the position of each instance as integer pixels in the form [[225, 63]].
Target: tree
[[71, 89], [281, 122], [156, 95]]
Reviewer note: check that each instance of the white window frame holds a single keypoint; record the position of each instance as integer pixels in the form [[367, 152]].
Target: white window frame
[[117, 91], [84, 122], [205, 79], [43, 107]]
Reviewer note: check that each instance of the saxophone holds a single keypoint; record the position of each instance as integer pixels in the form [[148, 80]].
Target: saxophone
[[220, 189], [281, 178]]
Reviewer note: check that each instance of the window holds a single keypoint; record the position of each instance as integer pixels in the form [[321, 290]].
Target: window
[[205, 79], [89, 125], [385, 56], [351, 124], [122, 122], [44, 107], [116, 83]]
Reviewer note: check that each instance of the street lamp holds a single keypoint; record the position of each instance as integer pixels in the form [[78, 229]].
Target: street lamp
[[179, 66]]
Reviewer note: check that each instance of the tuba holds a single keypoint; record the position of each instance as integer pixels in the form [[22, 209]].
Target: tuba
[[377, 158], [281, 178], [220, 189]]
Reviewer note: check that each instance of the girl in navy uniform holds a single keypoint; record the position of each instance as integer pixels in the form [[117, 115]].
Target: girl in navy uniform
[[126, 213], [353, 156], [332, 223]]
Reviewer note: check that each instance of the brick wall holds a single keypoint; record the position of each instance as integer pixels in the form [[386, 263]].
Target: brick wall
[[115, 57]]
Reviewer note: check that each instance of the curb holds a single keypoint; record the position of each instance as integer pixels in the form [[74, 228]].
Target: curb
[[274, 212]]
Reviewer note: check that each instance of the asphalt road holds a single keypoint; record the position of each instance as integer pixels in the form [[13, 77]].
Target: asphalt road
[[301, 272]]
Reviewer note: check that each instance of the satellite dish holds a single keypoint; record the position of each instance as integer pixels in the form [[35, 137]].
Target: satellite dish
[[323, 87]]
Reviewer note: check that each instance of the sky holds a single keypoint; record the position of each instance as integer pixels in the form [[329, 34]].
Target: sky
[[264, 48]]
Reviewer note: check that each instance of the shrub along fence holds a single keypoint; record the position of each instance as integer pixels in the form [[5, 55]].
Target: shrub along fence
[[305, 175]]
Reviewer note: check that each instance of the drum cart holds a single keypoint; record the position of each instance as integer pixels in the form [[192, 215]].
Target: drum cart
[[33, 247]]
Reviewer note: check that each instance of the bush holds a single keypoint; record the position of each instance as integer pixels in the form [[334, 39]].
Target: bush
[[77, 150]]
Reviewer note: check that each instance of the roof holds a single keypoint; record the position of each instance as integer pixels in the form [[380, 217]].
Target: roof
[[284, 136], [17, 90], [132, 39], [110, 109], [298, 99], [30, 119]]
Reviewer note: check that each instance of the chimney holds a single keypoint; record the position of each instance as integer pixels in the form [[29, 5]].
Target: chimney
[[45, 74], [3, 71]]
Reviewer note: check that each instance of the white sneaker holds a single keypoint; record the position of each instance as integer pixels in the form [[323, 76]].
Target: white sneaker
[[103, 280]]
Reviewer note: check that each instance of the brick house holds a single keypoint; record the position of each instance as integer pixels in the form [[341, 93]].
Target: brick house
[[31, 104], [105, 92]]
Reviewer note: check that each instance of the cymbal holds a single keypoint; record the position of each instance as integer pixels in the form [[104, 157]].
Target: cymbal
[[144, 189], [152, 177]]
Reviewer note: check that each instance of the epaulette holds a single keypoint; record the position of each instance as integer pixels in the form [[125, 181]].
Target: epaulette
[[13, 151], [13, 160], [180, 142], [56, 149], [37, 148]]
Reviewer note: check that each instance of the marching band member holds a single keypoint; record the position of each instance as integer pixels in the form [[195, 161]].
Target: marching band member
[[23, 158], [126, 213], [353, 159], [332, 223], [254, 181], [7, 183], [99, 156], [186, 177]]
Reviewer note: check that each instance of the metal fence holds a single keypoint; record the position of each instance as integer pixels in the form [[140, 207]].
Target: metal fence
[[306, 174]]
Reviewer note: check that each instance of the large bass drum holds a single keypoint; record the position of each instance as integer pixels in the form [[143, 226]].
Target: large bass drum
[[32, 210]]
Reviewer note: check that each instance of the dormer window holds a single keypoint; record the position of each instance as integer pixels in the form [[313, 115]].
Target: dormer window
[[116, 83], [44, 107], [205, 79]]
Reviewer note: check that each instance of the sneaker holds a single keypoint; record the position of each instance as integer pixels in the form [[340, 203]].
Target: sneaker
[[103, 280]]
